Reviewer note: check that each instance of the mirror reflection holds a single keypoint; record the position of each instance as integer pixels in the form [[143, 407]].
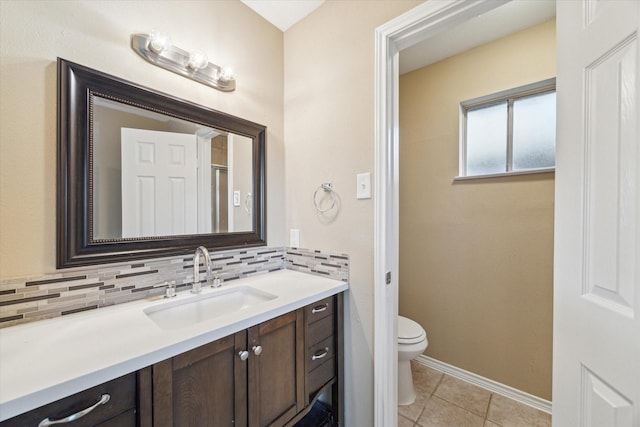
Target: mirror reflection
[[157, 175]]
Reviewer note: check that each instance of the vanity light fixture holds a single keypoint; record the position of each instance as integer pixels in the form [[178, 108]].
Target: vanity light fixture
[[157, 49], [197, 60], [158, 41]]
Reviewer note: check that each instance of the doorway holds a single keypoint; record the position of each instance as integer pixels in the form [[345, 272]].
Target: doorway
[[421, 23], [595, 368], [476, 243]]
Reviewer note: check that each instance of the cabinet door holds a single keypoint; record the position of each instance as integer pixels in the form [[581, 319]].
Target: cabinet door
[[276, 370], [202, 387]]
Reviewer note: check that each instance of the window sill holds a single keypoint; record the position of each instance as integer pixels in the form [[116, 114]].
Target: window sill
[[504, 174]]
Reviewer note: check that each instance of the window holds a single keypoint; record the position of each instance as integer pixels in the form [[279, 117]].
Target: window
[[509, 132]]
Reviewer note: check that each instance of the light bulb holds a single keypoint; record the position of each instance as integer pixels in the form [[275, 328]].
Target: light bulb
[[158, 41], [227, 74], [197, 60]]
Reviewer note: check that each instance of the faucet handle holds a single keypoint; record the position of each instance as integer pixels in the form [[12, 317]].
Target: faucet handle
[[217, 282], [170, 291]]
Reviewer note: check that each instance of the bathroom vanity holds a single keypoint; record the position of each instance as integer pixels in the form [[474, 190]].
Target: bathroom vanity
[[274, 362], [264, 349]]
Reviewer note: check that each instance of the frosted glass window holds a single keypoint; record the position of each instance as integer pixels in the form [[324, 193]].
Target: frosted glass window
[[534, 132], [487, 140], [513, 131]]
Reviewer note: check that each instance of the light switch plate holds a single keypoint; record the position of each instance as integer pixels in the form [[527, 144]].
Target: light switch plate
[[236, 198], [363, 181]]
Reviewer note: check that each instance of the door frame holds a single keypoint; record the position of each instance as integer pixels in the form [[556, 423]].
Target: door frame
[[414, 26]]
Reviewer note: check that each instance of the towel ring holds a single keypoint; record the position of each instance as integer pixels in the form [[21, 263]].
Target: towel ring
[[327, 188]]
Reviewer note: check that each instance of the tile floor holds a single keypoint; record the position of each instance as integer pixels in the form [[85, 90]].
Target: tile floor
[[444, 401]]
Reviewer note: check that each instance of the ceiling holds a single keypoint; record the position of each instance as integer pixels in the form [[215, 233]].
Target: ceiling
[[499, 22], [507, 19], [283, 13]]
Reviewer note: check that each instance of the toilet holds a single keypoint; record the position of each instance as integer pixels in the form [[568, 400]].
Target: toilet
[[412, 342]]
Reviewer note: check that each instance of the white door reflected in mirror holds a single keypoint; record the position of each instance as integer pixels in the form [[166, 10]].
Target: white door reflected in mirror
[[159, 183], [156, 175]]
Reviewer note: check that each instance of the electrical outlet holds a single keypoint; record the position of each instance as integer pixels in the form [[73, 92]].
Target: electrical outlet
[[294, 238]]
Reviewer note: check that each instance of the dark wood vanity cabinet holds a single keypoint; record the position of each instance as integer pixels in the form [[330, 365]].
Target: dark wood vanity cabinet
[[324, 358], [277, 373], [321, 345], [252, 378], [286, 371], [114, 404]]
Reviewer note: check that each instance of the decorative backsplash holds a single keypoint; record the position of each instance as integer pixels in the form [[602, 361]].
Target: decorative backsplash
[[65, 292], [335, 266]]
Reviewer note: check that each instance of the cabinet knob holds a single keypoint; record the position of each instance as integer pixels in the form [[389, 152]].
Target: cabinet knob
[[244, 355], [257, 350]]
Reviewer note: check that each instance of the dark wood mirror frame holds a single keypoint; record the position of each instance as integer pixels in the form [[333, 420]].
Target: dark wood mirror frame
[[75, 247]]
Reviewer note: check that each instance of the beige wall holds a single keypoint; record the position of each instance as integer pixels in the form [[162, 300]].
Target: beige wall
[[96, 34], [329, 137], [476, 256]]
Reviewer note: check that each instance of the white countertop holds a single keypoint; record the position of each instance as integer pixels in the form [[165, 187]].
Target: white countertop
[[44, 361]]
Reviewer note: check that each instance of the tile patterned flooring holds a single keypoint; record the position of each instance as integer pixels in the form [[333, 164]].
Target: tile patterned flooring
[[445, 401]]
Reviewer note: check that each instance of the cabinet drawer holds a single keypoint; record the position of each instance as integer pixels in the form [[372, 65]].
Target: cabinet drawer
[[319, 310], [122, 398], [320, 330], [320, 353], [125, 419], [321, 375]]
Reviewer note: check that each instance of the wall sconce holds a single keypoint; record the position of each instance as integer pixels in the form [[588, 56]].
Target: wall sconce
[[157, 49]]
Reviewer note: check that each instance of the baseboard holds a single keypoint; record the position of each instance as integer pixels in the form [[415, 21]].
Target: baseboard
[[492, 386]]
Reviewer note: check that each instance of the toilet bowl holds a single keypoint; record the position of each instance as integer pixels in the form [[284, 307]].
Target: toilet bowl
[[412, 342]]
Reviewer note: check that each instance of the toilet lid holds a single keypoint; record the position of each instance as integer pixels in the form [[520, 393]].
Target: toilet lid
[[410, 332]]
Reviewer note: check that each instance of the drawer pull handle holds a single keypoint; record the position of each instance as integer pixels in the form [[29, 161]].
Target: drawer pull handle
[[320, 354], [47, 422], [320, 308]]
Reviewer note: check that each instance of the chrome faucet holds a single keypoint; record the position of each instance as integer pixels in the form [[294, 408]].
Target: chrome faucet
[[197, 286]]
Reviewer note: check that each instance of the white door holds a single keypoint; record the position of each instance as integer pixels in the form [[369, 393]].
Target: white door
[[596, 367], [159, 183]]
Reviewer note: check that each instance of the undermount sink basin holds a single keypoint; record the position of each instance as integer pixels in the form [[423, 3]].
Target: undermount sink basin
[[198, 308]]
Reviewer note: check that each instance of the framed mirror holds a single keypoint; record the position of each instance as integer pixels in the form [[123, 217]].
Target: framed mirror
[[142, 174]]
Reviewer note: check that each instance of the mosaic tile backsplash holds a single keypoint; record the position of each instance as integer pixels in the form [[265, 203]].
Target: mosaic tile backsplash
[[66, 292]]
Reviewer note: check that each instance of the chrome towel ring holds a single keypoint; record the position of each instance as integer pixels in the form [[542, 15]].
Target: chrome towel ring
[[327, 188]]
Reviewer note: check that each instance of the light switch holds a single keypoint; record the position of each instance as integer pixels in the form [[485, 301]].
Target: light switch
[[294, 238], [236, 198], [364, 186]]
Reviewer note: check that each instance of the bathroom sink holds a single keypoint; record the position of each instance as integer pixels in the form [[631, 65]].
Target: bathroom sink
[[198, 308]]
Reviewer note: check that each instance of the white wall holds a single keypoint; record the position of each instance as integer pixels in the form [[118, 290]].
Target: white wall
[[96, 34]]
